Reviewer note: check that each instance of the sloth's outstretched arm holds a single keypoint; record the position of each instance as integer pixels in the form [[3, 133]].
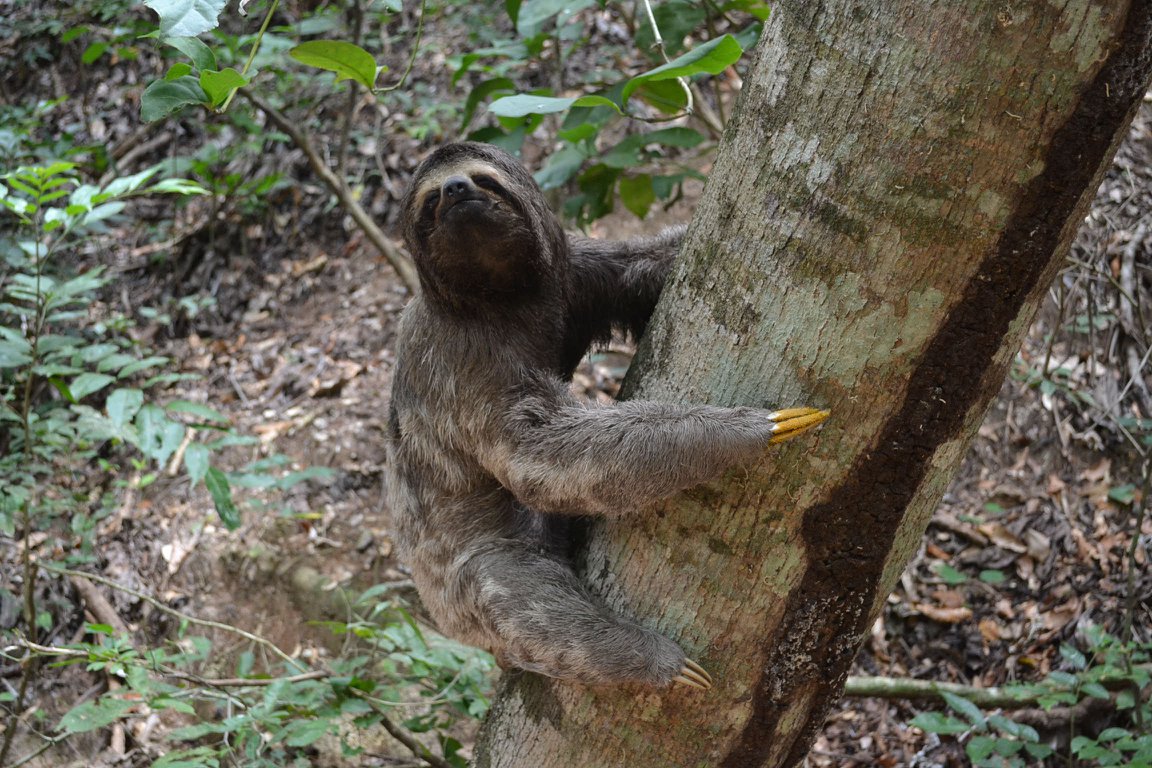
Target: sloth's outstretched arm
[[615, 284], [560, 456]]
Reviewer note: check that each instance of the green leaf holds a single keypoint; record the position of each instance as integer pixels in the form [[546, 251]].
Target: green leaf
[[186, 18], [141, 365], [560, 167], [196, 458], [637, 194], [524, 104], [1123, 494], [177, 187], [201, 411], [167, 702], [712, 58], [1073, 656], [348, 61], [964, 707], [159, 436], [532, 14], [1095, 690], [178, 70], [482, 92], [122, 405], [163, 97], [14, 353], [992, 576], [937, 722], [220, 85], [93, 52], [92, 715], [668, 96], [201, 55], [217, 484], [980, 747], [87, 383], [301, 733], [950, 575]]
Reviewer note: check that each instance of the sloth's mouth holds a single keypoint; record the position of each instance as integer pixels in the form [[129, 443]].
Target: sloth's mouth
[[469, 202]]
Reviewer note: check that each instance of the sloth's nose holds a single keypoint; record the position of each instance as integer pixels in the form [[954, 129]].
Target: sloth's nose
[[455, 187]]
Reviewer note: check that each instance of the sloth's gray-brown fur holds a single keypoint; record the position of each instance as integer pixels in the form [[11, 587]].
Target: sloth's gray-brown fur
[[489, 453]]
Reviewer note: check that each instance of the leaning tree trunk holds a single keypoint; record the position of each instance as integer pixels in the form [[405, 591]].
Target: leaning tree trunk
[[896, 190]]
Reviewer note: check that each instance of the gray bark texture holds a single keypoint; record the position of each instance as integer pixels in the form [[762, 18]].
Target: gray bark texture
[[896, 190]]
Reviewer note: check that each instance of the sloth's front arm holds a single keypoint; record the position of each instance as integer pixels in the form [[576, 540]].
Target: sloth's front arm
[[557, 455]]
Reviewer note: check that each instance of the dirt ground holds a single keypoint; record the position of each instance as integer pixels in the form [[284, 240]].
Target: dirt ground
[[298, 351]]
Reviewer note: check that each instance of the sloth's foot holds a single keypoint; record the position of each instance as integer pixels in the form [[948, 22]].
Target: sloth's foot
[[790, 422], [694, 676]]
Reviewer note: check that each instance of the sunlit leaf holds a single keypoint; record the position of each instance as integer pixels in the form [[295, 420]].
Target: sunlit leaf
[[712, 58], [348, 61], [186, 18], [523, 104], [220, 85]]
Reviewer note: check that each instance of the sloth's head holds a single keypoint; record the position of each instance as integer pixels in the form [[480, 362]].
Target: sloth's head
[[479, 228]]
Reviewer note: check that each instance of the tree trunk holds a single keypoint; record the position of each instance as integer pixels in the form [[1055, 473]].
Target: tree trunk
[[896, 190]]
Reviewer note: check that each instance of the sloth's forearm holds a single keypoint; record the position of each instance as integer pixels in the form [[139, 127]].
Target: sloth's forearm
[[614, 459]]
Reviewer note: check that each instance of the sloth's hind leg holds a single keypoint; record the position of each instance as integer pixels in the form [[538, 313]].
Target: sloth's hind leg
[[544, 620]]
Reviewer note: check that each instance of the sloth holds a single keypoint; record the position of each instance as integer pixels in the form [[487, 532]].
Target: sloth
[[490, 455]]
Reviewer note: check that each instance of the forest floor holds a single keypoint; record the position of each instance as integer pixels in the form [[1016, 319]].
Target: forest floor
[[1025, 552]]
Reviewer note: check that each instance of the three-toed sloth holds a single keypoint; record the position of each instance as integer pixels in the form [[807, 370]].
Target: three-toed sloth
[[489, 451]]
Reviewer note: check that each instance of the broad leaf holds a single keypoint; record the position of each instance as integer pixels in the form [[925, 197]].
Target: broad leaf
[[637, 194], [937, 722], [87, 383], [531, 14], [164, 97], [186, 18], [196, 462], [202, 56], [122, 405], [348, 61], [220, 85], [14, 353], [713, 57], [524, 104], [92, 715], [201, 411]]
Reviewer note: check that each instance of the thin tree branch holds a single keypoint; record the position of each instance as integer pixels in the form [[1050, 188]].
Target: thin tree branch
[[908, 688], [403, 736], [401, 263], [985, 698]]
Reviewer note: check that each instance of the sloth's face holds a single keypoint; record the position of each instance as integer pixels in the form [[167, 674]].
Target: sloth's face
[[470, 227]]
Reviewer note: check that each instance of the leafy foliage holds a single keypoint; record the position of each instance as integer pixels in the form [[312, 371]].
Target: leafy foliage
[[997, 741]]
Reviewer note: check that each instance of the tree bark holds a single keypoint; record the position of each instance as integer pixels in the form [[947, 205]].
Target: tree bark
[[896, 190]]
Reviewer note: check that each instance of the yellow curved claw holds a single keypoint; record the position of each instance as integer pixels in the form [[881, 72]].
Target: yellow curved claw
[[694, 676], [792, 421]]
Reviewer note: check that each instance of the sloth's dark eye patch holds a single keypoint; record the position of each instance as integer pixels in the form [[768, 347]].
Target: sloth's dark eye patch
[[430, 203], [487, 182]]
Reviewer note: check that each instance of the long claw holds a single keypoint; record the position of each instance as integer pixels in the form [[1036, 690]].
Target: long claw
[[693, 675], [792, 421]]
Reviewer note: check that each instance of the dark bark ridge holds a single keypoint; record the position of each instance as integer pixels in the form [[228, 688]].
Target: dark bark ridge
[[851, 532]]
